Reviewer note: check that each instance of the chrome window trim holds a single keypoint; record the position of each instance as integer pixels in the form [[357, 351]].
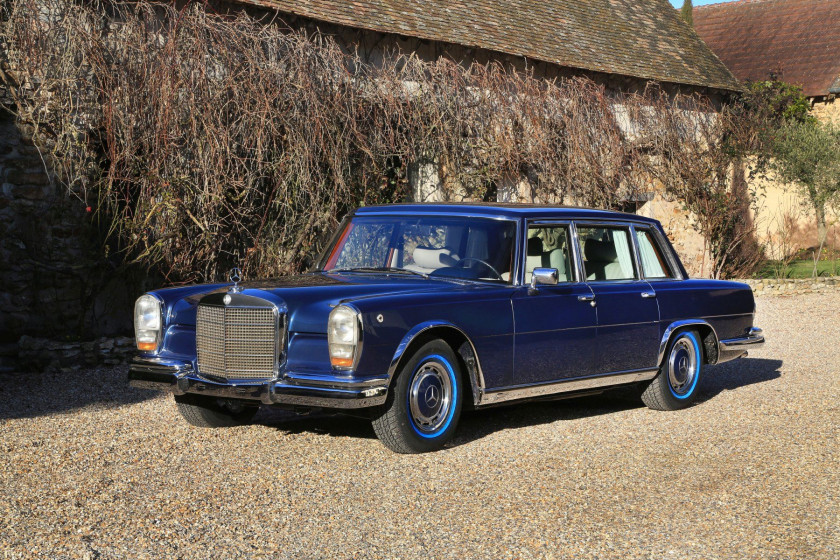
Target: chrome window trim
[[436, 213], [605, 224], [574, 260], [516, 221], [666, 253]]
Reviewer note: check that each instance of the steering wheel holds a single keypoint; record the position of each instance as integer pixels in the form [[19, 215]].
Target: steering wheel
[[460, 264]]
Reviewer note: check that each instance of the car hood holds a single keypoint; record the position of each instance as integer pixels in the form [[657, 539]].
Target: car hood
[[308, 297]]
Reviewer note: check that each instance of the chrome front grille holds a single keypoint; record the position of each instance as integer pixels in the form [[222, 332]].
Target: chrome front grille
[[237, 342]]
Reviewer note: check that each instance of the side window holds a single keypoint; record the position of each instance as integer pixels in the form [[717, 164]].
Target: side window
[[607, 253], [653, 261], [549, 247]]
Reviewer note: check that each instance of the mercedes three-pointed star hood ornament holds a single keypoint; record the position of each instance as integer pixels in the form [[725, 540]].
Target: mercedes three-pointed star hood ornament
[[235, 276]]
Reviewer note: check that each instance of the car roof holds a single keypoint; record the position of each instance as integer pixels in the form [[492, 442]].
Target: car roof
[[502, 210]]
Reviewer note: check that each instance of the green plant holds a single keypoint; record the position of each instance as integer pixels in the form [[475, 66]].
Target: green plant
[[807, 155], [687, 12]]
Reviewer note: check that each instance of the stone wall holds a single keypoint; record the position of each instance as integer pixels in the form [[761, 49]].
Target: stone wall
[[789, 286], [827, 109], [54, 282], [44, 354]]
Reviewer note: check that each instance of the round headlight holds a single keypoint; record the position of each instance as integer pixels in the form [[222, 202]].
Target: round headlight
[[148, 322], [343, 337]]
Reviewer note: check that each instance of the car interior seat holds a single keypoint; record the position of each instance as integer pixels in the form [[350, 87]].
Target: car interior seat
[[537, 258], [601, 261], [429, 259]]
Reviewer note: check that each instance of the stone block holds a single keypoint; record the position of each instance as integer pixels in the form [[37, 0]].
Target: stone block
[[21, 177], [29, 191]]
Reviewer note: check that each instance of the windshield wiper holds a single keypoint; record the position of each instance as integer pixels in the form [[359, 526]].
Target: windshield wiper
[[388, 269]]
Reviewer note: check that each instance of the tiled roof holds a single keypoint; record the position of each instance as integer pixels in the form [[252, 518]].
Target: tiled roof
[[639, 38], [798, 39]]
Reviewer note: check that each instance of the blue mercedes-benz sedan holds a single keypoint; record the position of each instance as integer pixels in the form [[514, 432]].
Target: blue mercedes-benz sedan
[[415, 311]]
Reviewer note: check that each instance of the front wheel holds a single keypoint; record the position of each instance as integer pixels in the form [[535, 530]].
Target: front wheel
[[675, 386], [424, 405], [209, 412]]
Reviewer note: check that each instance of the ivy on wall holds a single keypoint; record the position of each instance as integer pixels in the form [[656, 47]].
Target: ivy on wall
[[204, 141]]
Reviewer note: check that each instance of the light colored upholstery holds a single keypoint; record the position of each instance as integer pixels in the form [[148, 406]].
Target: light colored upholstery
[[427, 259], [601, 261], [537, 258]]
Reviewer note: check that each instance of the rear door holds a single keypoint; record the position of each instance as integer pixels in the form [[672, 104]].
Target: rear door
[[555, 326], [628, 313]]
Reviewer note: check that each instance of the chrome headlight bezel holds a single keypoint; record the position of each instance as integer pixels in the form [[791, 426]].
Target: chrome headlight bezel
[[344, 337], [148, 323]]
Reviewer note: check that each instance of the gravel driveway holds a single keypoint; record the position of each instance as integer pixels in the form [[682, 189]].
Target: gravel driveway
[[93, 469]]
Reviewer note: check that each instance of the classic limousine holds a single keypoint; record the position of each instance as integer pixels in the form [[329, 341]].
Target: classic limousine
[[416, 311]]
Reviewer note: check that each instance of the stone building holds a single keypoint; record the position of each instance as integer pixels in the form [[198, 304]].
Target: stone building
[[796, 41], [55, 283], [620, 44]]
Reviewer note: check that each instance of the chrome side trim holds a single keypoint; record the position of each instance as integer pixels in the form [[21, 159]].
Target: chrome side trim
[[666, 336], [568, 386], [423, 327], [321, 380]]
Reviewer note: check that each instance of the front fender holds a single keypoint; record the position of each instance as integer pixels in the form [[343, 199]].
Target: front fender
[[453, 335]]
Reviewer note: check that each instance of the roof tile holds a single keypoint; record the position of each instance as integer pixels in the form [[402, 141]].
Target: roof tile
[[640, 38], [796, 39]]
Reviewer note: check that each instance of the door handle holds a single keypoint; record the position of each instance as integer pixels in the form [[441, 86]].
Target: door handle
[[648, 294], [590, 298]]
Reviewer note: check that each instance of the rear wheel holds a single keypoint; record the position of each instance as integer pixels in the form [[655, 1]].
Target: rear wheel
[[675, 386], [210, 412], [424, 405]]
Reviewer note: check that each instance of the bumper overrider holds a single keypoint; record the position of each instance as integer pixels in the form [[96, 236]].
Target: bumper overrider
[[737, 347], [321, 391]]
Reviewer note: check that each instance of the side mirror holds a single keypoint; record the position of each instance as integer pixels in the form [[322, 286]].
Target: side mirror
[[544, 276]]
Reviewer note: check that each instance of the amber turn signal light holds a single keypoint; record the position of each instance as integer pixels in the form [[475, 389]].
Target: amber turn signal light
[[148, 346], [342, 362]]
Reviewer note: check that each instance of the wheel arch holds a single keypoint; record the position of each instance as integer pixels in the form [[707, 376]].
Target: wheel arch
[[708, 336], [457, 340]]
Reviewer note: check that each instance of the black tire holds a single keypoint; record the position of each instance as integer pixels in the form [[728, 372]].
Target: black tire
[[675, 386], [424, 404], [209, 412]]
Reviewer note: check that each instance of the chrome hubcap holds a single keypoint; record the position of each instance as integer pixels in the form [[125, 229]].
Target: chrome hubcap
[[430, 397], [682, 366]]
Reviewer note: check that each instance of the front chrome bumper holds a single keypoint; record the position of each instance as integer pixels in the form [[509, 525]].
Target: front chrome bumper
[[292, 389], [737, 347]]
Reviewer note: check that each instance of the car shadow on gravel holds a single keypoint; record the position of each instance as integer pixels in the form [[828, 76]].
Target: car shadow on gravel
[[738, 373], [30, 395], [336, 425], [477, 424]]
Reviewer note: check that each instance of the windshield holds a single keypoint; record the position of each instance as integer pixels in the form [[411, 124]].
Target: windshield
[[441, 246]]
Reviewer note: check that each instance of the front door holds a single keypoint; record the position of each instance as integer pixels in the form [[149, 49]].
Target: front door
[[628, 314], [555, 325]]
